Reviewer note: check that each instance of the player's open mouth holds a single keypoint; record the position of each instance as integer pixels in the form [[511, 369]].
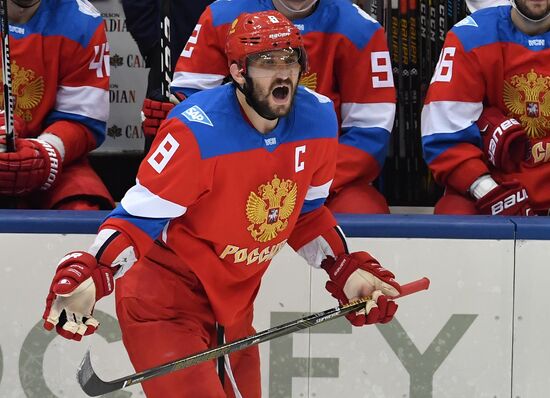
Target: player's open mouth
[[280, 94]]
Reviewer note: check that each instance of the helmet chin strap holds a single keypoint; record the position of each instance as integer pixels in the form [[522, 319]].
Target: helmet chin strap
[[531, 19], [18, 4], [292, 10]]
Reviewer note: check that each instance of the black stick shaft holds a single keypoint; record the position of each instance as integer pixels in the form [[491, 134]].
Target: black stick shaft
[[94, 386], [6, 77], [165, 52]]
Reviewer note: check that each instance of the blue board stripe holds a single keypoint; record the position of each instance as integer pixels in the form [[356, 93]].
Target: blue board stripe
[[427, 226], [369, 226], [51, 221]]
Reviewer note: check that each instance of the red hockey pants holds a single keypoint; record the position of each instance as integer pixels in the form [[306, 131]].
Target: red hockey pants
[[164, 316]]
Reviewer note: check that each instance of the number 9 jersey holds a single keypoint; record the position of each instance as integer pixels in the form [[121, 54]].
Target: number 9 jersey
[[348, 61]]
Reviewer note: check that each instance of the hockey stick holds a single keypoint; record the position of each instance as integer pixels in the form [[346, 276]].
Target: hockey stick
[[395, 44], [165, 52], [414, 88], [405, 129], [160, 75], [94, 386], [6, 77]]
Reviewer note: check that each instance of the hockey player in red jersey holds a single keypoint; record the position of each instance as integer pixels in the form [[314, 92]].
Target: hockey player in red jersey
[[486, 119], [233, 174], [60, 82], [349, 63]]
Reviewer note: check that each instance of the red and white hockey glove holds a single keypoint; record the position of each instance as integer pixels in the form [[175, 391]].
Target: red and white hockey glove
[[505, 142], [34, 165], [357, 275], [507, 199], [154, 112], [79, 282]]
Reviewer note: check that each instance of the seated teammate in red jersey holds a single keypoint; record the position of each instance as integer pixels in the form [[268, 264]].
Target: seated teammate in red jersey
[[486, 119], [233, 174], [349, 63], [60, 83]]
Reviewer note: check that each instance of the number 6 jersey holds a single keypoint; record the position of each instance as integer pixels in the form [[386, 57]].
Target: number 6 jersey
[[487, 61]]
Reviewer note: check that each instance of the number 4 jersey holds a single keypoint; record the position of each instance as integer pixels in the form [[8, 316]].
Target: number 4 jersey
[[60, 74], [349, 63], [487, 61], [226, 198]]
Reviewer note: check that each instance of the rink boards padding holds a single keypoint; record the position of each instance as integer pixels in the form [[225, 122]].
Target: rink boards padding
[[479, 331]]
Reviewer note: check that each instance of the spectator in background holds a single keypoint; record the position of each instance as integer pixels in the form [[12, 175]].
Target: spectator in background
[[60, 82], [486, 119], [349, 63]]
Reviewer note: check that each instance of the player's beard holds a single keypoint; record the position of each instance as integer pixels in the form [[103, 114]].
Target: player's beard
[[259, 99], [535, 16]]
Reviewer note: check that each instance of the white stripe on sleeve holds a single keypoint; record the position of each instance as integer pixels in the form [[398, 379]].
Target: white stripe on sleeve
[[318, 192], [368, 115], [196, 81], [449, 116], [86, 101], [141, 202]]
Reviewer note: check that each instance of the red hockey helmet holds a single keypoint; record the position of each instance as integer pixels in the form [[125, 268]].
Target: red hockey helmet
[[253, 33]]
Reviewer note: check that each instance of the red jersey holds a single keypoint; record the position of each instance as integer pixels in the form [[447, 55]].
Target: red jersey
[[60, 75], [487, 61], [349, 63], [225, 197]]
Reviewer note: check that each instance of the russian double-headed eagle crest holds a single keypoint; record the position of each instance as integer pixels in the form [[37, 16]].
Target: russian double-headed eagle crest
[[269, 210], [527, 97], [27, 89]]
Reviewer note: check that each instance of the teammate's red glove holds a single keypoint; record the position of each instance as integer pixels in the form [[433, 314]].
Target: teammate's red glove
[[357, 275], [507, 199], [34, 165], [154, 112], [78, 283], [505, 142]]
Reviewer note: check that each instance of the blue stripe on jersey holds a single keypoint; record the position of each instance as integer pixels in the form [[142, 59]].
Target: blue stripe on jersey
[[151, 226], [215, 119], [310, 205], [331, 16], [435, 144], [494, 25], [373, 140], [97, 127], [225, 11], [340, 17], [69, 18]]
